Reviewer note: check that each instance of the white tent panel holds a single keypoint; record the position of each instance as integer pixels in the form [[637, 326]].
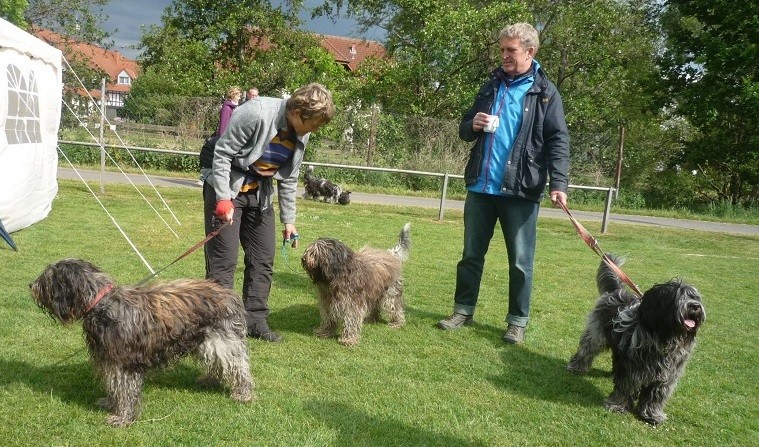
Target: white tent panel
[[30, 111]]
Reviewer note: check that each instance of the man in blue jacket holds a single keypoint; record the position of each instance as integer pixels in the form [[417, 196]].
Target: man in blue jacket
[[521, 143]]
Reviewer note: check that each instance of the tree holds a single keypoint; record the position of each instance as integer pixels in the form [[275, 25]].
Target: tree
[[439, 51], [76, 19], [710, 69], [598, 52], [13, 11], [204, 46]]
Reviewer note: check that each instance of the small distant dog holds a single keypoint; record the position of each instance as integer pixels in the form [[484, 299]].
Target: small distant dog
[[344, 198], [130, 330], [358, 285], [310, 183], [320, 187], [651, 340]]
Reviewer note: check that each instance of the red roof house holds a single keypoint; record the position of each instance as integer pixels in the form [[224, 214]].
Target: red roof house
[[350, 52], [121, 71]]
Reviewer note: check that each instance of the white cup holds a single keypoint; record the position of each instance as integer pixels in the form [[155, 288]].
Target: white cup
[[492, 125]]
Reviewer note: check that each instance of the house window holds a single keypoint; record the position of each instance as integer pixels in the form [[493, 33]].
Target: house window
[[115, 99], [124, 79]]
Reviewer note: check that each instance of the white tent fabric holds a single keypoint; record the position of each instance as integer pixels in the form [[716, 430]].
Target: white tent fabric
[[30, 112]]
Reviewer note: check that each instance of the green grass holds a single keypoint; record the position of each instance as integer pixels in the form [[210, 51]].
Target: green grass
[[416, 386]]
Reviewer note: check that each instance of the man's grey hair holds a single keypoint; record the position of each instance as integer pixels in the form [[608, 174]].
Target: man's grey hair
[[526, 33]]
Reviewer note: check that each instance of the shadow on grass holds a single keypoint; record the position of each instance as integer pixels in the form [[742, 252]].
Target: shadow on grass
[[298, 318], [542, 377], [356, 428], [75, 381], [431, 319]]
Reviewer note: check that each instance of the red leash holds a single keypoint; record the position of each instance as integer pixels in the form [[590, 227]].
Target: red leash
[[593, 244], [108, 287], [190, 250]]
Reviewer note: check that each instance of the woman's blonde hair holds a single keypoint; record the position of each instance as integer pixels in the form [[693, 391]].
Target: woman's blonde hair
[[312, 101], [233, 91]]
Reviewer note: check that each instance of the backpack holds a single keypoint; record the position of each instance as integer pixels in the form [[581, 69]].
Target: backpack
[[206, 152]]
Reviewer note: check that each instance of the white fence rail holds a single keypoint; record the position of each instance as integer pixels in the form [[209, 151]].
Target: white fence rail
[[445, 176]]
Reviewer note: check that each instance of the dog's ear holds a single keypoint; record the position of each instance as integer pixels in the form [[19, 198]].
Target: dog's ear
[[65, 289], [334, 256], [659, 308]]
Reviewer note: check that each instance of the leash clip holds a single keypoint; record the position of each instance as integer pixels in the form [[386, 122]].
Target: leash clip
[[293, 241]]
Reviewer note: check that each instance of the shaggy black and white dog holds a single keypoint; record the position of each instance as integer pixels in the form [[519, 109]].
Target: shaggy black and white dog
[[651, 339], [358, 285], [130, 330], [319, 187]]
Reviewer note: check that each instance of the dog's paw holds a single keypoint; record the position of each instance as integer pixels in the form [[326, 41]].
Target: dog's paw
[[396, 324], [348, 341], [615, 406], [207, 381], [243, 396], [323, 333], [116, 420], [105, 404], [652, 418], [577, 368]]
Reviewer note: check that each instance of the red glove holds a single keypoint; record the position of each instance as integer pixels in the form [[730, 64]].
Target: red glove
[[223, 209]]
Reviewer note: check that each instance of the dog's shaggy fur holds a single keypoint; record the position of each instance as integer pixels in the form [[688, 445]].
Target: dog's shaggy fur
[[354, 286], [134, 329], [651, 340], [319, 187]]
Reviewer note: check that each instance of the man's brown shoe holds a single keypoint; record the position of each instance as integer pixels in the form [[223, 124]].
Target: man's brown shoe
[[514, 334], [455, 321]]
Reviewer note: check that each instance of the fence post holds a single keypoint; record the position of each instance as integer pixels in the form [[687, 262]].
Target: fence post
[[101, 141], [442, 197], [372, 143], [607, 210]]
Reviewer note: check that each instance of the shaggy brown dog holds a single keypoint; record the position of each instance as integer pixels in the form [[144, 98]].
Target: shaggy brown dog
[[130, 330], [356, 285]]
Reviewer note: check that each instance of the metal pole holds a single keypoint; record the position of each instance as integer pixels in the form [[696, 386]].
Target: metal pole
[[102, 146], [607, 211], [372, 136], [442, 197]]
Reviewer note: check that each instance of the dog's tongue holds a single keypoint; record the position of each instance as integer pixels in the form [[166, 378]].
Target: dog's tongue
[[690, 324]]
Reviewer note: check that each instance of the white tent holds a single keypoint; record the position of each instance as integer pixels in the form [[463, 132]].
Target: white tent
[[30, 114]]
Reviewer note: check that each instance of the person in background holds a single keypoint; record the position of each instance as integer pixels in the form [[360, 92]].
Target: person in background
[[251, 93], [231, 100], [506, 174], [265, 141]]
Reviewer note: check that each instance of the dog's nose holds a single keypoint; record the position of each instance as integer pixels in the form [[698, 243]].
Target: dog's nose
[[694, 306]]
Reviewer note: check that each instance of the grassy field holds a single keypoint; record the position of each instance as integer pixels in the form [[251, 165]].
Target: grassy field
[[416, 386]]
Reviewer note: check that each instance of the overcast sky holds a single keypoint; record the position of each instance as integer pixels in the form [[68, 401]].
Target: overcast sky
[[128, 16]]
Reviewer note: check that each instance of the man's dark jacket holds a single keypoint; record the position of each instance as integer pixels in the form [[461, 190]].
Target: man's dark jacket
[[541, 147]]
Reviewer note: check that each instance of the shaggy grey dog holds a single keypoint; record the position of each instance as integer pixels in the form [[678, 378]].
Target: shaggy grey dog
[[130, 330], [358, 285], [651, 340]]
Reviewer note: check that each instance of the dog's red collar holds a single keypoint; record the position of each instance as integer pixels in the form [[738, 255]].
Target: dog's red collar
[[103, 292]]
